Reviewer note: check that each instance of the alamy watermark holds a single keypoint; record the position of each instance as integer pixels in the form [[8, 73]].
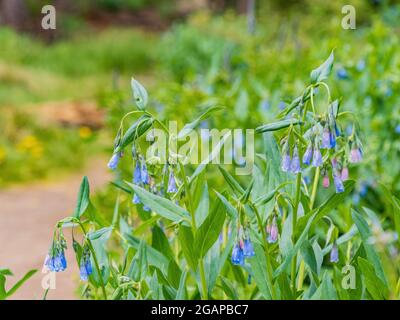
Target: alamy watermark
[[49, 19], [203, 146]]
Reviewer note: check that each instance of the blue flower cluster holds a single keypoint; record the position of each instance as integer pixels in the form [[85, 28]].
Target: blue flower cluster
[[55, 260], [324, 136], [85, 266], [242, 249]]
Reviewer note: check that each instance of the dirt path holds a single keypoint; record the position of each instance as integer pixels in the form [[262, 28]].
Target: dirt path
[[27, 217]]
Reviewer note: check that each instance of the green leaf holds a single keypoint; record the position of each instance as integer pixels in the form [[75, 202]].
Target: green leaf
[[142, 260], [231, 210], [309, 257], [181, 293], [326, 290], [203, 206], [160, 205], [296, 247], [139, 94], [236, 187], [278, 125], [192, 125], [186, 240], [259, 268], [155, 258], [323, 71], [136, 130], [375, 286], [83, 198], [327, 207], [209, 231], [160, 242], [228, 288], [20, 283], [99, 233], [366, 235]]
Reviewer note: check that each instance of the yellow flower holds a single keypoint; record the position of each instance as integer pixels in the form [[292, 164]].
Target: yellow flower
[[85, 132]]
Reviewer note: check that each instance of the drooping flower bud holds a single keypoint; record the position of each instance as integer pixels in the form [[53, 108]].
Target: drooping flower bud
[[113, 163], [171, 183], [295, 163], [135, 199], [325, 181], [248, 250], [355, 155], [137, 174], [144, 174], [273, 231], [338, 183], [308, 155], [237, 255], [317, 158], [334, 256], [344, 174]]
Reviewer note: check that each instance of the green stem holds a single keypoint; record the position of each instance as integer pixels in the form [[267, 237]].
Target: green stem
[[96, 263], [204, 293], [315, 187], [267, 257], [294, 222]]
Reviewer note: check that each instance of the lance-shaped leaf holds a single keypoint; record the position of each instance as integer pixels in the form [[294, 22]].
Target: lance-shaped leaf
[[136, 130], [163, 207], [277, 125], [236, 187], [323, 71], [194, 124], [209, 231], [139, 94], [366, 235], [83, 198]]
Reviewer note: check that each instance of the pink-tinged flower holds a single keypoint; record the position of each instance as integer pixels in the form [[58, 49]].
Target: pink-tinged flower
[[355, 155], [317, 158], [295, 163], [345, 174], [273, 232], [325, 181]]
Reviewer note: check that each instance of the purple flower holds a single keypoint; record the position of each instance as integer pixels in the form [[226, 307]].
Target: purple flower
[[334, 256], [135, 199], [295, 163], [113, 163], [325, 181], [355, 155], [237, 255], [56, 262], [338, 183], [146, 208], [344, 174], [285, 164], [137, 174], [317, 158], [272, 231], [397, 129], [85, 268], [248, 250], [171, 183], [144, 175], [308, 155], [326, 141]]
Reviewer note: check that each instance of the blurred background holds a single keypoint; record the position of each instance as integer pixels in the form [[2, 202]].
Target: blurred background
[[63, 92]]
